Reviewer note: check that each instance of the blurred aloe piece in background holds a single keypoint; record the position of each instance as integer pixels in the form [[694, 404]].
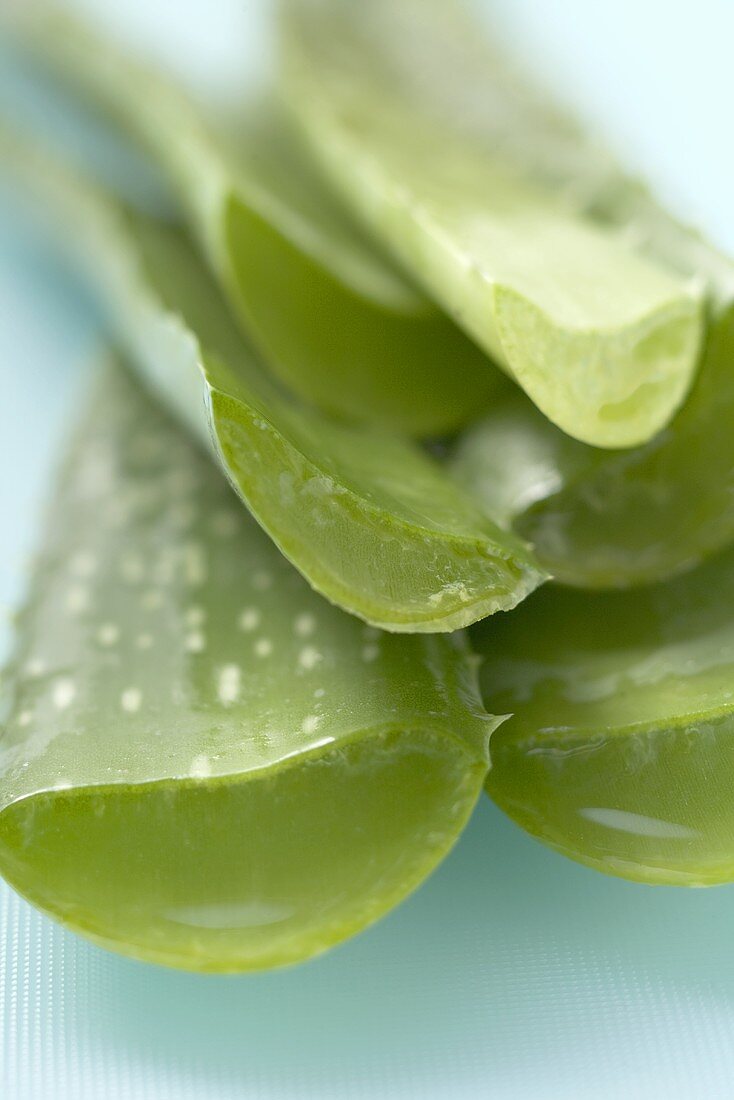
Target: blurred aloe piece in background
[[203, 763], [620, 750], [603, 339], [334, 318], [373, 523]]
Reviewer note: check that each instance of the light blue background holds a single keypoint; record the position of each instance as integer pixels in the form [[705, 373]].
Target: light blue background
[[513, 973]]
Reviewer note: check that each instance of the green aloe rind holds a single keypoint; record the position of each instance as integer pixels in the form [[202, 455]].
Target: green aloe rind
[[602, 338], [335, 319], [620, 750], [204, 764], [372, 522]]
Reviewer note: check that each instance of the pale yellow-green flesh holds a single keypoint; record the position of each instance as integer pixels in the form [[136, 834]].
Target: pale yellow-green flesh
[[203, 763], [602, 339]]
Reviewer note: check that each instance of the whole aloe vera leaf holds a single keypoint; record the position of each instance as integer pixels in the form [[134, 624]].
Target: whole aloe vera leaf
[[202, 763], [603, 339], [332, 316], [600, 519], [372, 522], [620, 751]]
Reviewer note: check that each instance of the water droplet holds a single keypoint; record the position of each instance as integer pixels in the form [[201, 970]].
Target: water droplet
[[77, 599], [309, 657], [228, 688], [195, 642], [249, 619], [195, 615], [131, 699], [108, 634], [64, 693], [304, 624], [200, 767]]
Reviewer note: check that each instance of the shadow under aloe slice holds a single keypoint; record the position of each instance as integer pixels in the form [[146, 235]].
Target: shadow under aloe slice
[[202, 763], [620, 749], [372, 522], [331, 315]]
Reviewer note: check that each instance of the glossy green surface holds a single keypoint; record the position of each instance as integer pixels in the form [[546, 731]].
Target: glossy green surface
[[620, 751], [373, 523], [203, 763], [603, 339], [335, 319]]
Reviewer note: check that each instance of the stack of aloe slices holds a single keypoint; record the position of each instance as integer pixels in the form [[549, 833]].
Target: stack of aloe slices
[[229, 746]]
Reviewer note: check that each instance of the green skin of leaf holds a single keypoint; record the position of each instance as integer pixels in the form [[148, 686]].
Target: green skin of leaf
[[601, 338], [204, 764], [620, 751], [373, 524], [335, 320]]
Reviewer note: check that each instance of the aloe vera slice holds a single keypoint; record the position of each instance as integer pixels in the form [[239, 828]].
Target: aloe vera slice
[[372, 522], [202, 763], [602, 339], [620, 751], [332, 316], [600, 519], [614, 519]]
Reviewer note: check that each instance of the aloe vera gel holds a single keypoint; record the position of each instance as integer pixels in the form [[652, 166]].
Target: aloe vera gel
[[409, 479]]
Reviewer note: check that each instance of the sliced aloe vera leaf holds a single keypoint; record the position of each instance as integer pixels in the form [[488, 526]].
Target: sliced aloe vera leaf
[[614, 519], [620, 751], [602, 339], [333, 317], [372, 522], [600, 519], [204, 764]]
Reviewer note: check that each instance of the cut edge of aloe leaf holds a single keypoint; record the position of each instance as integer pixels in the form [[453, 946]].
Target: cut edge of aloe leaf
[[652, 362], [620, 748], [433, 606], [601, 520], [323, 303], [202, 763], [97, 850], [606, 829], [426, 559], [608, 364]]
